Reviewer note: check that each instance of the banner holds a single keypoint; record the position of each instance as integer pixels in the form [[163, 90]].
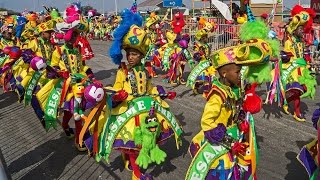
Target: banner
[[203, 65], [315, 5], [137, 106]]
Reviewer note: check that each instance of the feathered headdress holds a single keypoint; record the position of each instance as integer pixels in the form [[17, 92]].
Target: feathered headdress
[[128, 35]]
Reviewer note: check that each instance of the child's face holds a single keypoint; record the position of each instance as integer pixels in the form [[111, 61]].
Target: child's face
[[133, 57], [299, 32], [231, 73], [7, 34], [46, 35]]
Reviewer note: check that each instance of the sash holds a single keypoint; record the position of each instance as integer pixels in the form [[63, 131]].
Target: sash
[[3, 59], [52, 105], [206, 155], [137, 106], [203, 65], [300, 62], [31, 86]]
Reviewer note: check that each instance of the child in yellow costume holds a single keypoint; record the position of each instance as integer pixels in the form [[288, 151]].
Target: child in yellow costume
[[7, 36], [220, 116], [42, 47], [69, 67], [226, 147], [133, 83], [201, 76], [292, 69]]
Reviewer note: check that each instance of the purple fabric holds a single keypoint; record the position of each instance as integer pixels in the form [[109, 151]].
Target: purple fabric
[[203, 78], [89, 143], [19, 78], [146, 177], [295, 85], [160, 89], [193, 149], [315, 118], [27, 55], [307, 161], [196, 56], [52, 75], [216, 135]]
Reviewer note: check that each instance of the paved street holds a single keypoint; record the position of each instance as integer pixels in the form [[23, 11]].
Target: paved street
[[30, 152]]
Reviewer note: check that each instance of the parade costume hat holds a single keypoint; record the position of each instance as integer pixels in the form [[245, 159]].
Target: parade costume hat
[[152, 19], [206, 28], [46, 26], [129, 34], [171, 36], [301, 17]]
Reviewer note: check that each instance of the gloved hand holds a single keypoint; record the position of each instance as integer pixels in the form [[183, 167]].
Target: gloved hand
[[216, 134], [171, 95], [120, 96], [239, 148], [64, 74], [244, 127]]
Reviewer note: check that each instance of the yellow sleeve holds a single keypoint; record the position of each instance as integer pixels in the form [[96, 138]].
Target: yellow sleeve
[[211, 113], [55, 58], [120, 78], [288, 46], [33, 45]]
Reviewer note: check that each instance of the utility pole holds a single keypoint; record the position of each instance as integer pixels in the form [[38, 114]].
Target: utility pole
[[116, 7]]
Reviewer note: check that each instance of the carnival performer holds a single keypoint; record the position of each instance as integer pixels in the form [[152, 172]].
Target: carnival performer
[[138, 135], [66, 88], [227, 126], [295, 71], [309, 155], [201, 76], [41, 46], [152, 27], [175, 58], [7, 32]]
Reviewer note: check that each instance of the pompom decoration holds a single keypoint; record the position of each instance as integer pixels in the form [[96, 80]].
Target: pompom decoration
[[38, 63], [15, 52], [94, 93], [252, 102]]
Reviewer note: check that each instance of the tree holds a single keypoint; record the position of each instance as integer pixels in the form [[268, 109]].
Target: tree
[[85, 9]]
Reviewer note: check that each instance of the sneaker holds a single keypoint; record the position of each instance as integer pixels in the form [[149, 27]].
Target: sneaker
[[80, 148], [69, 133]]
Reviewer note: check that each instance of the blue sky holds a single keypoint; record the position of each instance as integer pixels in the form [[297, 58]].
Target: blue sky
[[20, 5]]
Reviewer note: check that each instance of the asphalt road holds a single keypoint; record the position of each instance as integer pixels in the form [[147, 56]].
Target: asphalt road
[[30, 152]]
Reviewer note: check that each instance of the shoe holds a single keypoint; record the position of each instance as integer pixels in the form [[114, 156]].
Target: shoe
[[299, 118], [173, 83], [80, 148], [182, 81], [69, 133], [127, 164], [286, 109]]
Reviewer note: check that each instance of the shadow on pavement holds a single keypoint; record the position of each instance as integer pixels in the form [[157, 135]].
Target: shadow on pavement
[[271, 109], [172, 153], [7, 99], [104, 74], [46, 161], [295, 169]]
